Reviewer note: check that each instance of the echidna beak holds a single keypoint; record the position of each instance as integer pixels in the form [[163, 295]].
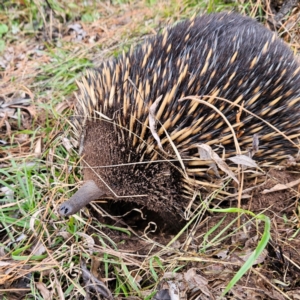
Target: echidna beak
[[87, 193]]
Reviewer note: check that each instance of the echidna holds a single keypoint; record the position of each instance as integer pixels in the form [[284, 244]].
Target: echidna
[[216, 57]]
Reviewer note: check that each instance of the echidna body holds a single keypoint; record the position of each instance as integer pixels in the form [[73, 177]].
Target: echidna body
[[216, 57]]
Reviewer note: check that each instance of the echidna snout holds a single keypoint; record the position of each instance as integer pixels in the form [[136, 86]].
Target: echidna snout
[[217, 56], [87, 193]]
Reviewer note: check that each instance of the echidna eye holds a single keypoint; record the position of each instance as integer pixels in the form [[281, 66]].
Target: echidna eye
[[113, 185]]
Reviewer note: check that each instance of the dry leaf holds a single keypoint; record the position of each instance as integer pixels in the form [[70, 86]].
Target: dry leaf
[[197, 282], [78, 31], [216, 158], [46, 294], [93, 283], [7, 112], [222, 254], [38, 249], [38, 147], [67, 144], [90, 241], [28, 91], [204, 155], [153, 121], [22, 100], [240, 259], [22, 138], [295, 294], [243, 160], [31, 110], [281, 187], [66, 235], [7, 263], [173, 290]]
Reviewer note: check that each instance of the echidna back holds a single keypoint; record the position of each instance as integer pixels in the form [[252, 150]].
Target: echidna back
[[217, 57]]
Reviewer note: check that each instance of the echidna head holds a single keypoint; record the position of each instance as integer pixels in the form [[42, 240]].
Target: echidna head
[[112, 169]]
